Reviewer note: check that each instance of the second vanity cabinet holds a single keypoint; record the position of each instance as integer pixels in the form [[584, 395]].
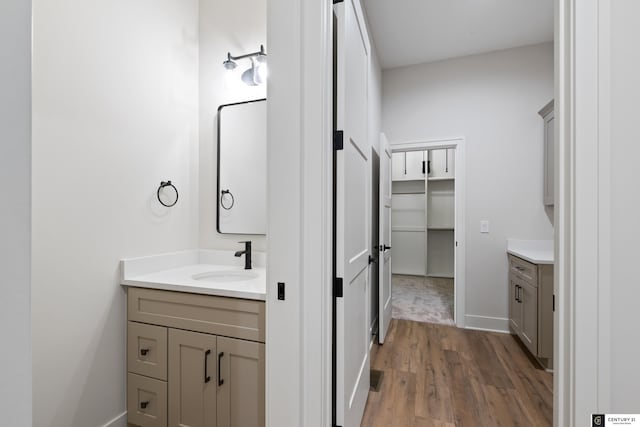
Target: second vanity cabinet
[[531, 307], [194, 360]]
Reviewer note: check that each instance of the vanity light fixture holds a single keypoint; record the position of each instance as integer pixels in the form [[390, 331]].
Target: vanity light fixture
[[256, 74]]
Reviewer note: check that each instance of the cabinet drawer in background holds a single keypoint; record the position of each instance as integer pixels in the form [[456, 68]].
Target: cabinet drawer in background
[[146, 401], [524, 269], [147, 350], [229, 317]]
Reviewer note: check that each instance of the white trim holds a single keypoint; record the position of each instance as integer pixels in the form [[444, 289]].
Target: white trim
[[459, 232], [317, 214], [298, 354], [582, 324], [604, 206], [487, 323], [119, 421], [562, 331]]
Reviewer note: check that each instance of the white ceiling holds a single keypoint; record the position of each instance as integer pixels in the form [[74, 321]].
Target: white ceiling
[[407, 32]]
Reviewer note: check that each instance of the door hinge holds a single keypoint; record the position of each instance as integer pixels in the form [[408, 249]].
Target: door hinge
[[337, 1], [337, 287], [338, 140]]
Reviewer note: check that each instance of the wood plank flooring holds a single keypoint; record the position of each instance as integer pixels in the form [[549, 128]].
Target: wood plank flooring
[[436, 375]]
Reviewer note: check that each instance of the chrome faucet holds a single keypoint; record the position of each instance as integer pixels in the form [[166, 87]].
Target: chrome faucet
[[246, 253]]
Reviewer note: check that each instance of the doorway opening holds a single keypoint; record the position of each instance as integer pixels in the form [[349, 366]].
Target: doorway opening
[[422, 235], [427, 232]]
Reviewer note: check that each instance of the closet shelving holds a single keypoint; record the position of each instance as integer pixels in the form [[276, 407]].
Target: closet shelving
[[423, 213]]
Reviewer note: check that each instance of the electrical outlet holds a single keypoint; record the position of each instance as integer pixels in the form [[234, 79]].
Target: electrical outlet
[[484, 226]]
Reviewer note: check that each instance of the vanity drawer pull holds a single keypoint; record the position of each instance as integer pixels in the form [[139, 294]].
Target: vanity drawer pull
[[143, 405], [144, 351]]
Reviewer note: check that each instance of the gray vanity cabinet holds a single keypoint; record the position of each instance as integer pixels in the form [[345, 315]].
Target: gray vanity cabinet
[[194, 360], [531, 307]]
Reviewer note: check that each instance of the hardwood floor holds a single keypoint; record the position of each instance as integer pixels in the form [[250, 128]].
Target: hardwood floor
[[436, 375]]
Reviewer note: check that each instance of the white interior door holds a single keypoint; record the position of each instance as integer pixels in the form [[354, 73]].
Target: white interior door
[[384, 265], [352, 219]]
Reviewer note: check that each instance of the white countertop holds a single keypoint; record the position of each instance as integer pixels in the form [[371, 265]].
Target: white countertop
[[535, 251], [175, 272]]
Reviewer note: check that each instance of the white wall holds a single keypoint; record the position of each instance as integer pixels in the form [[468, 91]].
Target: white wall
[[625, 204], [114, 112], [492, 100], [15, 212], [239, 27]]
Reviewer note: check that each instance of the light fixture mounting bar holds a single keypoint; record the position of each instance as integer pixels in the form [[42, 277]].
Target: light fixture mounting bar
[[261, 52]]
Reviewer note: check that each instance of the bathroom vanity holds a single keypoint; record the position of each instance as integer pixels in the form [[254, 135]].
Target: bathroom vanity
[[195, 340], [531, 297]]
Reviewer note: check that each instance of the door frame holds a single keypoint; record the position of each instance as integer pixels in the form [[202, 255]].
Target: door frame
[[298, 371], [457, 143]]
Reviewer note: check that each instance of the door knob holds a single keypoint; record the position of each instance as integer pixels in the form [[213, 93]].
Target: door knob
[[385, 247]]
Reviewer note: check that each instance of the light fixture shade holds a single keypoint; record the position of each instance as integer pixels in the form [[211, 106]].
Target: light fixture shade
[[229, 64], [260, 76], [248, 77]]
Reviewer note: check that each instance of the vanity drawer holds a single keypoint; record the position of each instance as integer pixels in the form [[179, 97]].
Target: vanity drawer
[[147, 350], [146, 401], [231, 317], [524, 269]]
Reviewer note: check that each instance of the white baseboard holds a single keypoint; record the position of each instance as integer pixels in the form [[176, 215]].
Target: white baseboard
[[486, 323], [119, 421]]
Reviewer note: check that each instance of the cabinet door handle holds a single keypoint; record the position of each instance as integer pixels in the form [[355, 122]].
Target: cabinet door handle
[[517, 293], [207, 378], [220, 380]]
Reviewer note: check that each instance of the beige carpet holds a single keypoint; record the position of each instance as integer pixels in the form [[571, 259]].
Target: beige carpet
[[422, 299]]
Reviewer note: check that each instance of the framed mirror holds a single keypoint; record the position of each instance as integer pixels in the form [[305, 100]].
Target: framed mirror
[[242, 168]]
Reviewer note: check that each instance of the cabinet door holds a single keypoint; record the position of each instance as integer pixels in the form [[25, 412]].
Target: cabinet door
[[192, 379], [414, 165], [442, 163], [241, 383], [529, 329], [549, 176], [398, 166], [515, 308]]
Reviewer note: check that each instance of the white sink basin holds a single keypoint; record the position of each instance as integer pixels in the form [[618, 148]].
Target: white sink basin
[[226, 276]]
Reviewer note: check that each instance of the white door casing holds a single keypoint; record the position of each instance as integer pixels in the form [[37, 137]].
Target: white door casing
[[384, 265], [352, 219]]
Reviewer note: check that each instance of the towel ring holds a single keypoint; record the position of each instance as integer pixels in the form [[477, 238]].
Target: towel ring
[[164, 184], [233, 199]]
